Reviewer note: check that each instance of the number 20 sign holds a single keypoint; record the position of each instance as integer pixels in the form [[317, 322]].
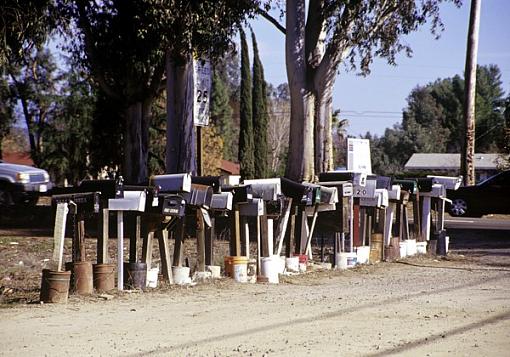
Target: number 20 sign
[[202, 90]]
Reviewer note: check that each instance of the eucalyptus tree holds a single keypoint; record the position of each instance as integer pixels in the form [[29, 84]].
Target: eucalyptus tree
[[318, 39], [129, 45]]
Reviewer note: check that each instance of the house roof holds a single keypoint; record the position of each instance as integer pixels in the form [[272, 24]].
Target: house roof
[[20, 158], [449, 161], [230, 167]]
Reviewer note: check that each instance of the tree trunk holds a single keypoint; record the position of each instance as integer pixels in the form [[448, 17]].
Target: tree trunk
[[180, 133], [300, 163], [136, 142], [323, 131]]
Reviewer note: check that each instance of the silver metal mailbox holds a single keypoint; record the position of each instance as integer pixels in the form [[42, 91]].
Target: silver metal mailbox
[[222, 201], [267, 189], [254, 208], [449, 182], [394, 193], [367, 191]]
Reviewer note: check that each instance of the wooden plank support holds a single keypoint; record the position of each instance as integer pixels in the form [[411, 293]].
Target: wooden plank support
[[148, 242], [200, 241], [102, 237], [210, 236], [282, 226], [289, 249], [179, 238], [264, 236], [134, 236], [235, 232], [310, 232], [164, 253], [355, 233]]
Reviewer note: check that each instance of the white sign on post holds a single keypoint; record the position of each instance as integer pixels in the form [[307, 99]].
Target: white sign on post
[[201, 91], [358, 155]]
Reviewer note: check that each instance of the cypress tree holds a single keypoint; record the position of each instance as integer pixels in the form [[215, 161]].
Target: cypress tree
[[260, 116], [246, 158], [221, 115]]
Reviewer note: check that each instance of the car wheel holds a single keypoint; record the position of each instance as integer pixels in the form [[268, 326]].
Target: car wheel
[[458, 207], [5, 198]]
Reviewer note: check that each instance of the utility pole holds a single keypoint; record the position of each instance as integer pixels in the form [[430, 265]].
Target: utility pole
[[468, 150]]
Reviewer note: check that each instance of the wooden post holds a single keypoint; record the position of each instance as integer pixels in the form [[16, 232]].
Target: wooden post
[[425, 223], [291, 234], [282, 226], [120, 250], [102, 237], [200, 150], [164, 252], [210, 235], [259, 253], [134, 235], [264, 236], [59, 234], [416, 217], [356, 241], [467, 162], [148, 239], [200, 241], [235, 234], [179, 238]]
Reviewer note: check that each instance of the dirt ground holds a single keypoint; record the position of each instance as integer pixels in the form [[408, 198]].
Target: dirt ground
[[458, 306]]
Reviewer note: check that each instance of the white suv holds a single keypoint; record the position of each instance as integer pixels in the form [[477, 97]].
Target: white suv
[[21, 184]]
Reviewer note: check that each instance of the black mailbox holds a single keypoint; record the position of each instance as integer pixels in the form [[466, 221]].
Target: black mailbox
[[408, 185], [301, 194], [213, 181], [424, 184], [88, 202], [172, 205], [242, 194], [200, 196], [172, 183], [383, 182], [275, 208], [222, 201], [108, 188]]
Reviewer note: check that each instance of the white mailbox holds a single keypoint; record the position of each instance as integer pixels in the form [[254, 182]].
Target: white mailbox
[[379, 200], [394, 193], [132, 201], [449, 182], [230, 180], [267, 189]]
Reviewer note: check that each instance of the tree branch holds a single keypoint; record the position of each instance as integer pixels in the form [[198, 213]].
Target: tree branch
[[272, 20]]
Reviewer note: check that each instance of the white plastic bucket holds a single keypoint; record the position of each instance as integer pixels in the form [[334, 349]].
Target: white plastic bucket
[[152, 278], [403, 249], [292, 264], [362, 254], [281, 264], [345, 260], [181, 275], [411, 247], [269, 268], [215, 271], [421, 247], [240, 273]]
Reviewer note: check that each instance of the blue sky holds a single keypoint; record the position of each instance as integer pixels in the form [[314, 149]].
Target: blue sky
[[375, 102]]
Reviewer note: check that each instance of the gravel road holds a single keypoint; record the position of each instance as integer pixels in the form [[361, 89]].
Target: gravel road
[[419, 307]]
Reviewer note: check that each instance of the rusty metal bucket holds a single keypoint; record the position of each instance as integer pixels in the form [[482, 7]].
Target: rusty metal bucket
[[82, 278], [104, 277], [55, 286]]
